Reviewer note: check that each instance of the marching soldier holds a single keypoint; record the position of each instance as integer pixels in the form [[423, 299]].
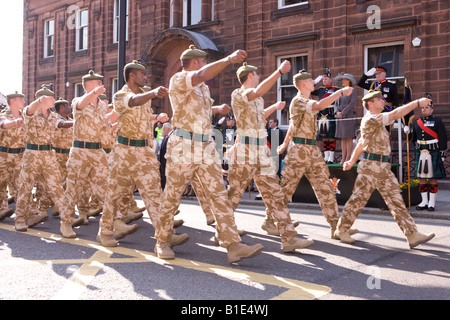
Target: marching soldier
[[39, 161], [251, 158], [327, 117], [133, 161], [374, 171], [12, 146], [87, 161], [191, 152], [304, 157], [429, 134], [61, 144], [388, 90]]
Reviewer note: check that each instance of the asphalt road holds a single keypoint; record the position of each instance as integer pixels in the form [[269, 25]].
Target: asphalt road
[[40, 264]]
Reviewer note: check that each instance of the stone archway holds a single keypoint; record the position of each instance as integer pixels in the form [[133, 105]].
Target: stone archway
[[162, 57]]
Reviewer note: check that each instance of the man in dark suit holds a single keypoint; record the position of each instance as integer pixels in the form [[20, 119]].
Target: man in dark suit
[[167, 131]]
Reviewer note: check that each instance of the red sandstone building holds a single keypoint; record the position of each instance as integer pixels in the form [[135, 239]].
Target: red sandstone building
[[63, 40]]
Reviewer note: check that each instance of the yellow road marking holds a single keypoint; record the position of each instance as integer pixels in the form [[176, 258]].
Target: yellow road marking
[[295, 290]]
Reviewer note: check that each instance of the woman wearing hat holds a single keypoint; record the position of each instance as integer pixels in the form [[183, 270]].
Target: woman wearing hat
[[344, 108]]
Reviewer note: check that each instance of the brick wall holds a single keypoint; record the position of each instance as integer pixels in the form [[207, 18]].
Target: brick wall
[[332, 33]]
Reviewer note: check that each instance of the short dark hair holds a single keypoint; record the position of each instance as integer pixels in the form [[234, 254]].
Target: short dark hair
[[127, 74]]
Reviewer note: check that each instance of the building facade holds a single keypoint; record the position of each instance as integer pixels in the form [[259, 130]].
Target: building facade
[[63, 40]]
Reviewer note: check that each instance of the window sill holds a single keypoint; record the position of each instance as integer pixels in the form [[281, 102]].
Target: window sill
[[285, 12], [202, 25]]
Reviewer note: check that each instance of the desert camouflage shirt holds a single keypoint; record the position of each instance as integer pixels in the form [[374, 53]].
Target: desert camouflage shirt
[[13, 137], [63, 138], [191, 105], [133, 122], [374, 136], [89, 121], [39, 129], [250, 115], [303, 118]]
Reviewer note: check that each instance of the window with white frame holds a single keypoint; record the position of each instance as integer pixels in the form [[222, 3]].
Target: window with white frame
[[82, 21], [79, 90], [114, 87], [390, 56], [117, 20], [192, 12], [49, 38], [286, 87], [290, 3]]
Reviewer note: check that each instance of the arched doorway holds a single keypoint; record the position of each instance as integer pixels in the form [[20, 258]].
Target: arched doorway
[[162, 57]]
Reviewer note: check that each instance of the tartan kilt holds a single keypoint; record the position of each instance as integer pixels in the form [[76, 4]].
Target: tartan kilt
[[328, 131], [436, 161]]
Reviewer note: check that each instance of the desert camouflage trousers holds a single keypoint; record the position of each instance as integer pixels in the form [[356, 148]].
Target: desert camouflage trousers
[[85, 166], [263, 172], [42, 196], [376, 175], [307, 160], [10, 165], [131, 166], [185, 160], [38, 166]]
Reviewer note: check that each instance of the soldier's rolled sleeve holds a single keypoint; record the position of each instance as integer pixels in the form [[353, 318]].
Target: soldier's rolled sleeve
[[121, 101]]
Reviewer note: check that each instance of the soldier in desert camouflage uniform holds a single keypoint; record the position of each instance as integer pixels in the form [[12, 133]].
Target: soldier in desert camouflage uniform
[[61, 144], [39, 161], [87, 161], [251, 157], [191, 152], [12, 146], [304, 157], [374, 171], [133, 161]]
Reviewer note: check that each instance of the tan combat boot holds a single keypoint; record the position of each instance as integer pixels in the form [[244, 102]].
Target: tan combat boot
[[106, 240], [84, 215], [163, 251], [296, 243], [20, 226], [344, 236], [66, 230], [121, 230], [238, 251], [37, 218], [178, 239], [133, 216], [178, 223], [270, 227], [137, 209], [417, 238], [95, 211], [6, 213]]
